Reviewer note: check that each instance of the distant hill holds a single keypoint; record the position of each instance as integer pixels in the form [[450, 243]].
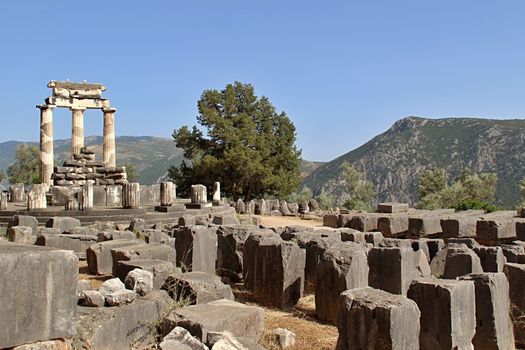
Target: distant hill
[[152, 156], [393, 159]]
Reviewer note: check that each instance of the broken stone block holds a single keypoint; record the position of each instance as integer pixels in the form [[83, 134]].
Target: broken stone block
[[351, 235], [93, 298], [24, 220], [21, 235], [82, 286], [454, 261], [392, 207], [512, 252], [428, 223], [137, 225], [364, 222], [179, 335], [284, 337], [496, 225], [341, 268], [160, 269], [38, 292], [393, 269], [36, 198], [446, 306], [17, 193], [197, 287], [58, 344], [374, 319], [63, 223], [344, 220], [110, 286], [330, 220], [516, 277], [491, 258], [76, 243], [140, 281], [279, 273], [120, 297], [196, 248], [121, 328], [462, 224], [225, 220], [156, 251], [396, 243], [251, 244], [374, 238], [230, 245], [108, 235], [98, 255], [393, 225], [493, 323], [218, 316]]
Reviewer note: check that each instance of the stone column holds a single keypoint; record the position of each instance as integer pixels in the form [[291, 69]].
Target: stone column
[[3, 201], [77, 130], [167, 194], [198, 194], [131, 195], [17, 193], [46, 144], [216, 193], [109, 137], [36, 199], [86, 196]]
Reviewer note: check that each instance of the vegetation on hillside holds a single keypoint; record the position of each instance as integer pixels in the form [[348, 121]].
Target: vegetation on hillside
[[469, 191], [248, 147], [359, 190], [26, 168]]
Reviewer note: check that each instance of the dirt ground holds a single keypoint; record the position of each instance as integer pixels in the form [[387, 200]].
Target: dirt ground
[[276, 221]]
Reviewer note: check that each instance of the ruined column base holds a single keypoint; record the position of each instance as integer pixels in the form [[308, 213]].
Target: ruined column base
[[197, 205], [170, 208]]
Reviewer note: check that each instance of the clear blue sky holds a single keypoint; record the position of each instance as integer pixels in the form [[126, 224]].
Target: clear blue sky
[[343, 71]]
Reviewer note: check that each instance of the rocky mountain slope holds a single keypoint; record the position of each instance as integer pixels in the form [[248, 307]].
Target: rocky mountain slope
[[152, 156], [393, 159]]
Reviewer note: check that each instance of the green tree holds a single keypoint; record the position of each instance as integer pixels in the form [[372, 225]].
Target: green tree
[[297, 197], [432, 181], [326, 201], [2, 175], [248, 146], [358, 189], [26, 168], [131, 171]]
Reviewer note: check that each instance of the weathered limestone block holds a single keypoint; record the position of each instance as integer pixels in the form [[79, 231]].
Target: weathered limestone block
[[38, 292], [364, 222], [86, 196], [284, 337], [493, 323], [76, 243], [3, 201], [260, 207], [454, 261], [351, 235], [17, 193], [131, 195], [393, 269], [492, 258], [330, 220], [344, 220], [156, 251], [21, 235], [196, 248], [516, 277], [216, 197], [251, 244], [120, 297], [198, 194], [114, 195], [341, 268], [279, 273], [93, 298], [293, 208], [448, 312], [218, 316], [230, 245], [180, 339], [225, 219], [240, 207], [167, 193], [373, 319], [160, 269], [283, 205], [496, 225], [393, 225], [98, 255], [58, 344], [396, 243], [63, 223], [374, 238], [426, 223], [108, 235], [24, 220], [36, 198], [391, 207], [462, 224], [197, 287], [303, 207], [121, 328]]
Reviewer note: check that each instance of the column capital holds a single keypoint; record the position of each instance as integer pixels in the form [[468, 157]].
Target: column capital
[[109, 110], [42, 107]]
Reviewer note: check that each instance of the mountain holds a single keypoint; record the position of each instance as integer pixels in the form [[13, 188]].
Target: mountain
[[152, 156], [393, 159]]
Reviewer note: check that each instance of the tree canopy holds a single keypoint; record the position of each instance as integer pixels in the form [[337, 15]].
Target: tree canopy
[[26, 168], [469, 191], [248, 147], [358, 189], [131, 172]]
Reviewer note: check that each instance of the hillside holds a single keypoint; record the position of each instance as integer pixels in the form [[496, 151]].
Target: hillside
[[393, 159], [152, 156]]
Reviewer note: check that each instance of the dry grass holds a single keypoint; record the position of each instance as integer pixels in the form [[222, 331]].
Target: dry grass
[[83, 274]]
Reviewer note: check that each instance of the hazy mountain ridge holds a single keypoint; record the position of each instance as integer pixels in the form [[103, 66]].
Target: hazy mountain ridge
[[393, 159]]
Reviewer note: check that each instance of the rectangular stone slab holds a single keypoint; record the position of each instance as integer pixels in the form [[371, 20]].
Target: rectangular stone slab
[[38, 290]]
